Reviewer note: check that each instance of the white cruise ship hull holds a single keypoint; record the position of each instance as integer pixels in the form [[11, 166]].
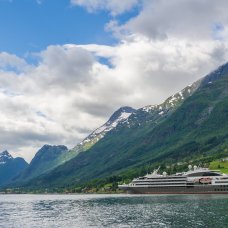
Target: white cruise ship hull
[[197, 189], [197, 181]]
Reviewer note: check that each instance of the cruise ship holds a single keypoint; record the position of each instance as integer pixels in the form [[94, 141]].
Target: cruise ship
[[196, 180]]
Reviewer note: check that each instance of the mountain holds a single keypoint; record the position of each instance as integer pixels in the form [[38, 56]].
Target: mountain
[[190, 124], [10, 167], [118, 117], [154, 114], [49, 157], [5, 157], [45, 160]]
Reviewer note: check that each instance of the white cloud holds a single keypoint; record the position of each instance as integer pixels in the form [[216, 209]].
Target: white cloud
[[115, 7], [70, 92], [69, 67], [193, 20], [12, 62]]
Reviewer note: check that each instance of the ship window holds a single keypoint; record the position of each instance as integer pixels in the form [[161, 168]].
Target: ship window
[[221, 182], [203, 174]]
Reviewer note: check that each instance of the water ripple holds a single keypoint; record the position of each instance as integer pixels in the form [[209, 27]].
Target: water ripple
[[122, 211]]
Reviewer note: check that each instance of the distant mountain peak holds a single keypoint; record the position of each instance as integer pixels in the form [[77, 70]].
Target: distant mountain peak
[[126, 109], [5, 156], [121, 114], [49, 150], [44, 160], [117, 117], [10, 167]]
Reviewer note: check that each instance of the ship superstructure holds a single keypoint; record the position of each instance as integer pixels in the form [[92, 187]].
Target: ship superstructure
[[195, 180]]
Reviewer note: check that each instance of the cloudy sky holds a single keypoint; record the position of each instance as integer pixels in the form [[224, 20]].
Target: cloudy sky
[[66, 66]]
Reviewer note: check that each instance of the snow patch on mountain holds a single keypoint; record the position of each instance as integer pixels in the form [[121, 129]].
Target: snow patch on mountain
[[108, 126], [120, 116], [129, 117], [5, 157], [173, 101], [155, 113], [148, 108], [111, 124]]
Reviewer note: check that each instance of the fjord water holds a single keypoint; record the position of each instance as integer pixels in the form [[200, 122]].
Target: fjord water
[[113, 211]]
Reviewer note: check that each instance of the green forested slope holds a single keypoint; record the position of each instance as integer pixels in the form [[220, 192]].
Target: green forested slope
[[45, 160], [196, 128]]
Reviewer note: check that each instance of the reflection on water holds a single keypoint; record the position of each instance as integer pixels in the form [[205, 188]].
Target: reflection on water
[[113, 211]]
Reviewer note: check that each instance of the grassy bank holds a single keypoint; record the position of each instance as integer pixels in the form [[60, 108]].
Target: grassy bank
[[220, 165]]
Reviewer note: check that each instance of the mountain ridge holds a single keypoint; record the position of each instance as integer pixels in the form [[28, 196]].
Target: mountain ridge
[[185, 125], [5, 156], [118, 116]]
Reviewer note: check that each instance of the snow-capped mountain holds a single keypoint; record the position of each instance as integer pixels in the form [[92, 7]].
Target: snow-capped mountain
[[129, 117], [5, 157], [191, 124], [156, 113], [10, 167], [118, 117]]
